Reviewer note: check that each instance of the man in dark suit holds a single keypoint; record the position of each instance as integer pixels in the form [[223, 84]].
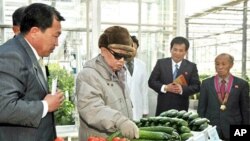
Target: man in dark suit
[[174, 95], [224, 98], [16, 19], [26, 109]]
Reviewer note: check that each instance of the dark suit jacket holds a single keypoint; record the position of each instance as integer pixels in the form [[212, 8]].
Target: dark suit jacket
[[22, 87], [236, 108], [162, 74]]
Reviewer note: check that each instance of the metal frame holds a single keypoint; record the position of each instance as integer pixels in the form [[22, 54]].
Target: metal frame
[[226, 24]]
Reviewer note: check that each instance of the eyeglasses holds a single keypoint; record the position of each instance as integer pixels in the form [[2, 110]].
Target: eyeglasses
[[117, 56]]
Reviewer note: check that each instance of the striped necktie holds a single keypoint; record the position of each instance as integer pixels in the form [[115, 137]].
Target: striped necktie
[[175, 71]]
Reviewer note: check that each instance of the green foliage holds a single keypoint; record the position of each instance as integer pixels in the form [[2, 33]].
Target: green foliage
[[65, 79], [197, 95], [64, 115], [203, 76]]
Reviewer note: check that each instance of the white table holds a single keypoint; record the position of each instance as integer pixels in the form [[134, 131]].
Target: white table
[[67, 131]]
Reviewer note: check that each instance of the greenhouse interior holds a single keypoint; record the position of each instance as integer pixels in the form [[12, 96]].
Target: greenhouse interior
[[212, 27]]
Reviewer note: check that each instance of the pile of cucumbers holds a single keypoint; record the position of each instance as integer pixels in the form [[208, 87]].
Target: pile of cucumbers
[[175, 129], [171, 125], [195, 123], [178, 124]]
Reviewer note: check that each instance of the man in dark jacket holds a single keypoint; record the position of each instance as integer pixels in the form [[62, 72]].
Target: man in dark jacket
[[174, 78], [224, 98]]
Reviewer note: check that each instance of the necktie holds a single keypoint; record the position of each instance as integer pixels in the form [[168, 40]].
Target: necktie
[[222, 88], [175, 71], [40, 61], [130, 66]]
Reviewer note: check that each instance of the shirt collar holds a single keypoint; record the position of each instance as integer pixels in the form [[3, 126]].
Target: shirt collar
[[173, 64], [226, 79], [34, 51]]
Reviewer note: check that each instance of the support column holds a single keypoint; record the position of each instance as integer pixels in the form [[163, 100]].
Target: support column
[[244, 40]]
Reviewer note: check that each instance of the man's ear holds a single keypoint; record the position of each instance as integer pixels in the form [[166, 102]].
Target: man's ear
[[34, 32], [16, 29], [103, 50]]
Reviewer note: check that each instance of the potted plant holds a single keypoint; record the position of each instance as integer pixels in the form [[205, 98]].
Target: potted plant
[[65, 114]]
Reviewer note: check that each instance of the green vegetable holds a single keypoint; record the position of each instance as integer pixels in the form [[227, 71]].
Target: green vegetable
[[181, 113], [163, 120], [186, 115], [191, 123], [184, 129], [200, 121], [203, 126], [153, 135], [182, 122], [169, 113], [143, 120], [193, 116], [176, 136], [168, 130], [115, 134], [186, 136]]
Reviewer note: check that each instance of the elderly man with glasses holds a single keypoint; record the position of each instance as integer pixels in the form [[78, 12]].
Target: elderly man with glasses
[[103, 100]]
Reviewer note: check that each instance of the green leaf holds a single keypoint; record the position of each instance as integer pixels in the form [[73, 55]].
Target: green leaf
[[64, 115]]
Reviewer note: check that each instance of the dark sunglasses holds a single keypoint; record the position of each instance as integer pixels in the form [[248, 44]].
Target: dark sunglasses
[[118, 56]]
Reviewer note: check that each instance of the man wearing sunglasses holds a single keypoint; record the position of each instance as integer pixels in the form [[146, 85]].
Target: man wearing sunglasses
[[103, 100]]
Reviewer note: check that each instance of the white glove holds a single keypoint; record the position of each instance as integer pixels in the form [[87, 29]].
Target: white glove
[[129, 129]]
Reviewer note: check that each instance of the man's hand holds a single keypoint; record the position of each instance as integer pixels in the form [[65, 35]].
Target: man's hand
[[129, 129], [174, 88], [54, 101]]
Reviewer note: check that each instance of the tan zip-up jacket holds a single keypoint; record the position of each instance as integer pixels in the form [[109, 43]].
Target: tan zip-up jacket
[[101, 102]]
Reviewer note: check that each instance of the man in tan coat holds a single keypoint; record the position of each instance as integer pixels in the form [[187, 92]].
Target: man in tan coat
[[103, 100]]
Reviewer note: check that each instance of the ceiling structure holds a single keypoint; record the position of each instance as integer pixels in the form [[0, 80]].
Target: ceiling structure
[[223, 19], [224, 26]]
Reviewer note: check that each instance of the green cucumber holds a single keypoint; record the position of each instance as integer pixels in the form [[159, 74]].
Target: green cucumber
[[203, 126], [151, 135], [200, 121], [186, 115], [182, 122], [165, 129], [193, 116], [181, 113], [184, 129], [176, 136], [186, 136], [163, 120], [143, 120], [169, 113]]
